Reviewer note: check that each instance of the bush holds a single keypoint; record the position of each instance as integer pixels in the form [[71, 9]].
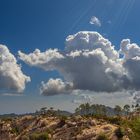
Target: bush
[[42, 136], [102, 137], [120, 132], [115, 120], [135, 127], [25, 138], [7, 119], [63, 117], [33, 136], [15, 130]]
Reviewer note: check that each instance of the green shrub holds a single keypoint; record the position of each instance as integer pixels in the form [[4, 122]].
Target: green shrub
[[135, 127], [33, 136], [15, 130], [7, 119], [63, 117], [120, 132], [41, 136], [102, 137], [115, 120], [25, 138]]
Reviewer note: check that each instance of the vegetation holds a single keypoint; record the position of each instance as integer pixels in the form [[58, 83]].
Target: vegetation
[[118, 110], [41, 136], [15, 130], [125, 121], [25, 138], [120, 132], [114, 120], [126, 108], [102, 137], [95, 109], [134, 125]]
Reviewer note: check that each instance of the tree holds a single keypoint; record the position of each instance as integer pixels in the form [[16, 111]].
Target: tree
[[126, 108], [104, 110], [43, 110], [77, 110], [137, 107], [82, 109], [118, 109], [51, 112], [87, 108], [132, 107]]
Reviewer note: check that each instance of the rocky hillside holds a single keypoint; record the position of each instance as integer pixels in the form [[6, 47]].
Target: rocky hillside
[[61, 128]]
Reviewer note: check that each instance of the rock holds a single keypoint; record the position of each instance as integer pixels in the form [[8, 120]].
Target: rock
[[71, 124], [92, 123]]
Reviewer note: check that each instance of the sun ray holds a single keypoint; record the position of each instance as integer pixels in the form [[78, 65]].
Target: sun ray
[[121, 16], [83, 15]]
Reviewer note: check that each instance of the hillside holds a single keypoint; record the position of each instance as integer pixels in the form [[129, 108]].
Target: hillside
[[84, 124], [55, 128]]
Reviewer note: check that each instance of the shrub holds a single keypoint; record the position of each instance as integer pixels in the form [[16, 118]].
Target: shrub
[[25, 138], [102, 137], [42, 136], [63, 117], [7, 119], [120, 132], [15, 130], [115, 120], [33, 136], [135, 127]]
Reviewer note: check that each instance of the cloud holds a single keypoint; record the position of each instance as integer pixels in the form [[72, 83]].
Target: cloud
[[55, 87], [130, 51], [82, 97], [131, 62], [50, 57], [12, 94], [90, 62], [95, 21], [136, 97], [11, 76], [109, 99], [77, 101]]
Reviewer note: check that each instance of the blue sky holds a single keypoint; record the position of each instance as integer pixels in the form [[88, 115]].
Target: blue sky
[[29, 24]]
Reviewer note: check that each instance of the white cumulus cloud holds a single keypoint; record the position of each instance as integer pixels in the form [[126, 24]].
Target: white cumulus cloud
[[91, 62], [11, 75], [95, 21], [56, 86]]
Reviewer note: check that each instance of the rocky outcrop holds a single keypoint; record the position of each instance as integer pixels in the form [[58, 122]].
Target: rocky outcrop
[[57, 128]]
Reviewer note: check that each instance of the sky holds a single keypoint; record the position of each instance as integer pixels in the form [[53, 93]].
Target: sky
[[64, 69]]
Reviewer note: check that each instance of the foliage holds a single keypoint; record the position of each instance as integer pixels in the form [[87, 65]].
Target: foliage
[[43, 111], [120, 132], [63, 117], [6, 119], [114, 120], [15, 130], [87, 109], [135, 127], [118, 110], [41, 136], [102, 137], [126, 108], [25, 138]]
